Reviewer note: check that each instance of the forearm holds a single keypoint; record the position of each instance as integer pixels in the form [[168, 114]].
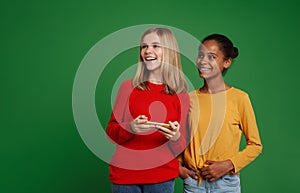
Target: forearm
[[246, 156], [119, 133]]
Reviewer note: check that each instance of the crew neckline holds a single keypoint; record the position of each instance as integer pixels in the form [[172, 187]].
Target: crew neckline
[[155, 83], [156, 87], [221, 92]]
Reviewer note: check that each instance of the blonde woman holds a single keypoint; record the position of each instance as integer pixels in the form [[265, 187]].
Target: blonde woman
[[148, 119]]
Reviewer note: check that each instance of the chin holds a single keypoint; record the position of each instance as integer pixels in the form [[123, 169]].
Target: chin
[[152, 67], [202, 76]]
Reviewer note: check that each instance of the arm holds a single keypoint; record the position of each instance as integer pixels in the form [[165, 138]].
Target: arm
[[249, 127], [118, 129], [177, 146], [215, 169]]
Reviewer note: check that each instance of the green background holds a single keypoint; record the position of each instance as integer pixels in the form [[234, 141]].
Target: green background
[[44, 42]]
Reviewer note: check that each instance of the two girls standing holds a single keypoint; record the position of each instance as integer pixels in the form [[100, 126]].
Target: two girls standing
[[145, 157]]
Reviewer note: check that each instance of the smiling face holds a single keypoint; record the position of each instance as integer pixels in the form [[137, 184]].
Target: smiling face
[[151, 52], [211, 61]]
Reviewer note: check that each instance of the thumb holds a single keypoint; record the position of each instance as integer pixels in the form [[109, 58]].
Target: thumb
[[209, 162]]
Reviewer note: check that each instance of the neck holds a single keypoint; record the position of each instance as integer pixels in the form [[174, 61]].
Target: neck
[[214, 86], [155, 78], [155, 81]]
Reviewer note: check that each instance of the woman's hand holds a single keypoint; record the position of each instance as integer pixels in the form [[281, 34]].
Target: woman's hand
[[172, 133], [185, 173], [138, 124], [216, 169]]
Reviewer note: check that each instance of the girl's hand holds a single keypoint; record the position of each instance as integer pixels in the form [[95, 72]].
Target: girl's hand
[[173, 133], [216, 169], [185, 173], [138, 124]]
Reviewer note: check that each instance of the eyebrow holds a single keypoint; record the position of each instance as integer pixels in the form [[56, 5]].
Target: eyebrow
[[209, 53], [153, 43], [212, 53]]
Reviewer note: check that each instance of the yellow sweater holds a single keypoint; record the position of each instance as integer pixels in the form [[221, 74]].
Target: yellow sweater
[[217, 122]]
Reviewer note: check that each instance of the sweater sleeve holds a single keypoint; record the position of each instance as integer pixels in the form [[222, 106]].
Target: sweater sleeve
[[118, 129], [178, 146], [249, 127]]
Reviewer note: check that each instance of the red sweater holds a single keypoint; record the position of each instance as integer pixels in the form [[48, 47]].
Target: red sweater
[[147, 157]]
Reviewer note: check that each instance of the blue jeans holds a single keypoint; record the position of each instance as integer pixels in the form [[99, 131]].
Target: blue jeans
[[225, 184], [163, 187]]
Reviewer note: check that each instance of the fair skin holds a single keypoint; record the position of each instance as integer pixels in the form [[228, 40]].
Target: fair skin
[[211, 63], [151, 53]]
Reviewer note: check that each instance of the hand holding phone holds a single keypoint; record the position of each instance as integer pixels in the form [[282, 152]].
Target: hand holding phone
[[170, 131], [158, 123]]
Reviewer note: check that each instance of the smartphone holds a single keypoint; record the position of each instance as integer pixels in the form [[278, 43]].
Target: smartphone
[[160, 124]]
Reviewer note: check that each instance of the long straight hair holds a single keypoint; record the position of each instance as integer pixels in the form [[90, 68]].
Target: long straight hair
[[173, 77]]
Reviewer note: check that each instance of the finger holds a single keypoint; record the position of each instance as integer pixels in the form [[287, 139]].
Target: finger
[[208, 177], [205, 173], [175, 125], [204, 169], [212, 179], [145, 127], [141, 121], [209, 162], [141, 127], [168, 136], [190, 173], [163, 129], [194, 176], [141, 117], [138, 117]]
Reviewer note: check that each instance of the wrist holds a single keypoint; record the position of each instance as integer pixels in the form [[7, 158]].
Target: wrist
[[132, 128], [176, 137], [230, 166]]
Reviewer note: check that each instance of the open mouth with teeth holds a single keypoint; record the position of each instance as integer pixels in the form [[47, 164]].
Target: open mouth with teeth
[[205, 69], [150, 58]]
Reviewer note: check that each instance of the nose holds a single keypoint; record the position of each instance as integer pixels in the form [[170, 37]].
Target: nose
[[148, 49], [203, 60]]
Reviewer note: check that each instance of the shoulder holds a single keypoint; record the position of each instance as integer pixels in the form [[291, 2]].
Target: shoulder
[[126, 85], [193, 93], [184, 94], [240, 97], [237, 92], [183, 97]]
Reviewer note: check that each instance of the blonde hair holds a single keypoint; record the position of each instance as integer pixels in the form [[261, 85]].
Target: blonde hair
[[173, 77]]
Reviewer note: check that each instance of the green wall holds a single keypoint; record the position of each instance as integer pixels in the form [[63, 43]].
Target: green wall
[[44, 42]]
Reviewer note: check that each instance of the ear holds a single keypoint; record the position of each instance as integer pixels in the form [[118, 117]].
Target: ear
[[227, 63]]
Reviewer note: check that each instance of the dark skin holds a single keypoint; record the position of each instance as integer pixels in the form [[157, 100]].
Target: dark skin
[[215, 169], [211, 64], [211, 171], [185, 173]]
